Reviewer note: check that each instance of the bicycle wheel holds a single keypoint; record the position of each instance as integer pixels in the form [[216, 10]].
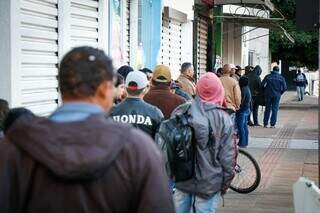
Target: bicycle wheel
[[247, 173]]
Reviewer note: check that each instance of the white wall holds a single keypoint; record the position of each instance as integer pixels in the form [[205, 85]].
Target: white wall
[[9, 52], [187, 42], [232, 44], [185, 6], [259, 46]]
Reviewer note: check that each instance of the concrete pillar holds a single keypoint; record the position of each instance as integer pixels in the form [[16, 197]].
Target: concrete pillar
[[10, 52]]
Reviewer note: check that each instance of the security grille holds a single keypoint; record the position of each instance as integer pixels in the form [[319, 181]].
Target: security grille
[[171, 54], [202, 40], [84, 23], [39, 55]]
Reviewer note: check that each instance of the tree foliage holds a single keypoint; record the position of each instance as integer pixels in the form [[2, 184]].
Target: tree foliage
[[304, 52]]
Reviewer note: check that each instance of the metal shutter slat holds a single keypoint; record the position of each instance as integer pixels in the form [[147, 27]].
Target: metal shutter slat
[[39, 84], [202, 37], [84, 23], [84, 12], [32, 33], [39, 59], [84, 34], [88, 3], [27, 19], [46, 96], [32, 72], [39, 8], [41, 46]]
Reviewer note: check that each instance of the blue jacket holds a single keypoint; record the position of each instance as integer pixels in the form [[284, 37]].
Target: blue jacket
[[274, 85]]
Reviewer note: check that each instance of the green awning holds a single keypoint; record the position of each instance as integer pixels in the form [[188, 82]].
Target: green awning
[[259, 22], [261, 3]]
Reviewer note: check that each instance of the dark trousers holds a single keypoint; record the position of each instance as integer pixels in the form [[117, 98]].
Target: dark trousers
[[255, 109], [272, 106], [243, 131]]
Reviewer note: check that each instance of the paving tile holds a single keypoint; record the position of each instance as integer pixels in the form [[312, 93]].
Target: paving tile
[[283, 154]]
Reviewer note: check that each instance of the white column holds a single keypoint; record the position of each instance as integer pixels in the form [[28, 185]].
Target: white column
[[187, 41], [133, 32], [103, 25], [10, 52], [64, 20]]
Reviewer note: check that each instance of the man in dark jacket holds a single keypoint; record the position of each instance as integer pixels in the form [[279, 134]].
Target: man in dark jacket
[[243, 113], [160, 95], [78, 161], [274, 86], [134, 110], [255, 89], [301, 82]]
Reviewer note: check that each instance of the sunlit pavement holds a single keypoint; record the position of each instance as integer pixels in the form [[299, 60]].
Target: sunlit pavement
[[284, 154]]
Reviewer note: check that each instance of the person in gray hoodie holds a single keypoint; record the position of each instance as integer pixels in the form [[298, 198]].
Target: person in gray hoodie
[[215, 151]]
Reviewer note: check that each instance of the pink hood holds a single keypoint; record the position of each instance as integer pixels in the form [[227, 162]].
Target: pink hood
[[210, 89]]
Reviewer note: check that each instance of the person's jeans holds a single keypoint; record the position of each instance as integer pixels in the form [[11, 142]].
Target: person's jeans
[[272, 104], [185, 203], [243, 131], [300, 93]]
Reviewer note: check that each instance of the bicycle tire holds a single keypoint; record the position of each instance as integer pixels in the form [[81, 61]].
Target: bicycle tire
[[258, 175]]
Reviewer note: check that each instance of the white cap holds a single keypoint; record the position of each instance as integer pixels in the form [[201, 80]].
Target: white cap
[[138, 78], [232, 66]]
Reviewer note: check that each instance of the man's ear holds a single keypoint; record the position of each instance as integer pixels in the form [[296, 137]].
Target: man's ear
[[104, 89]]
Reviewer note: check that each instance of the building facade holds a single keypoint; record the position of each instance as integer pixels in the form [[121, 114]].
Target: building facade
[[35, 34]]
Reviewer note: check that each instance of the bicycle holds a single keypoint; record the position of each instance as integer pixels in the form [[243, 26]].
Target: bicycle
[[247, 173]]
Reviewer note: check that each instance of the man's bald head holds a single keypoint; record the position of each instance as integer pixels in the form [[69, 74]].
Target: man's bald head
[[226, 69]]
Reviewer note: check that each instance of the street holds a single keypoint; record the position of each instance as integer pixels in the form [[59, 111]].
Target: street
[[284, 154]]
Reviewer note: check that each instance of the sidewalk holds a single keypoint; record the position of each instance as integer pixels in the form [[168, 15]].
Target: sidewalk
[[290, 100], [284, 154]]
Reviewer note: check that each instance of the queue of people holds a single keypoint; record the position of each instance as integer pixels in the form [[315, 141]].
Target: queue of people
[[100, 150]]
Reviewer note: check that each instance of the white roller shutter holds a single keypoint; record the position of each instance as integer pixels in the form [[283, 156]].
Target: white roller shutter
[[202, 40], [84, 23], [171, 45], [127, 32], [39, 55]]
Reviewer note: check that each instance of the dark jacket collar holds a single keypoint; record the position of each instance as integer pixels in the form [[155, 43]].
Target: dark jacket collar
[[160, 87]]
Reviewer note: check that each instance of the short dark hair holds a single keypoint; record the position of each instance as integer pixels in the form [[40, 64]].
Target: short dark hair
[[185, 66], [4, 109], [124, 71], [275, 69], [13, 115], [83, 69], [146, 70], [119, 80]]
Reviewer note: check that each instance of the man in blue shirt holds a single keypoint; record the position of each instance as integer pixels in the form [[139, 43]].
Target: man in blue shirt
[[274, 86], [77, 160]]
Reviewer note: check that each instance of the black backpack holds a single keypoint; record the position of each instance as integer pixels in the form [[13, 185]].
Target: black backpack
[[175, 139]]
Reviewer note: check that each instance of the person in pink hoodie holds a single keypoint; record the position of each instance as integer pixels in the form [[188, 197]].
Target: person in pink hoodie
[[215, 149]]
